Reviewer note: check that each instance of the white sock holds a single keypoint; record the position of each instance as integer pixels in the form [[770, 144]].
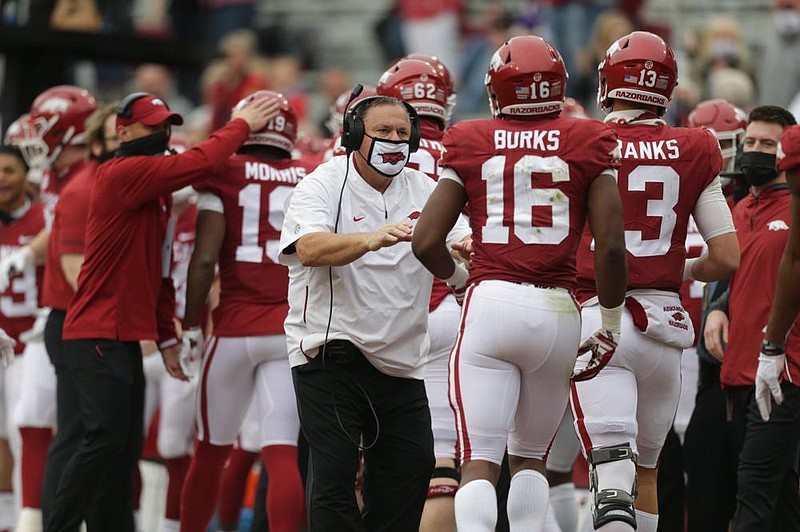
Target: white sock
[[8, 510], [476, 507], [550, 522], [528, 499], [170, 525], [565, 506], [29, 520], [137, 521], [646, 522], [613, 526]]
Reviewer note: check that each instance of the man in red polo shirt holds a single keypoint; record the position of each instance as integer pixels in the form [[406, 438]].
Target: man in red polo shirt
[[124, 295]]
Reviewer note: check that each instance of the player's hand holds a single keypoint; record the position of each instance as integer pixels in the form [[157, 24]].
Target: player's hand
[[716, 333], [458, 282], [389, 235], [6, 349], [36, 332], [463, 251], [602, 346], [171, 356], [191, 352], [13, 263], [258, 114], [768, 375]]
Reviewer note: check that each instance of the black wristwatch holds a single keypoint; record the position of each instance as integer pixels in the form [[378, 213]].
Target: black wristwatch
[[771, 348]]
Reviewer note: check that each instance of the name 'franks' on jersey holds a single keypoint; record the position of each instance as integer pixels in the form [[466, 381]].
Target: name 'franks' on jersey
[[662, 174], [526, 184], [253, 285]]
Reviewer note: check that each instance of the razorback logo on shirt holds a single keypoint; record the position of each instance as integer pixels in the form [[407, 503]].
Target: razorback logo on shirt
[[777, 225], [678, 316], [393, 158], [414, 215]]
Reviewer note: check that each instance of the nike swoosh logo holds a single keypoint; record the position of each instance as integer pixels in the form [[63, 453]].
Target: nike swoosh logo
[[358, 218]]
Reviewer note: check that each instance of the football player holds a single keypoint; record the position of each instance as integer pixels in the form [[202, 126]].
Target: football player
[[239, 222], [20, 221], [531, 179], [667, 174], [425, 83]]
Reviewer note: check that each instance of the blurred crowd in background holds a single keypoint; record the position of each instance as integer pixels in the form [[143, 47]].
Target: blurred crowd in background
[[744, 52]]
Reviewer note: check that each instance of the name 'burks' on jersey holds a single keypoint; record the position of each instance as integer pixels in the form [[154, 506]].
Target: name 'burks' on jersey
[[533, 139]]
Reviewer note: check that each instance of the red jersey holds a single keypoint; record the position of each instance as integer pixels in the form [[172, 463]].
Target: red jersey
[[20, 301], [526, 184], [253, 286], [762, 227], [124, 292], [692, 291], [426, 160], [67, 235], [662, 174], [182, 247]]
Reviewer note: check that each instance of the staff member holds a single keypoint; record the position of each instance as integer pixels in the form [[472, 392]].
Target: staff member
[[357, 324], [124, 295]]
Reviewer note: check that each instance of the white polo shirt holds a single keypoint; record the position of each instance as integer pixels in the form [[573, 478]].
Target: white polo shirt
[[380, 301]]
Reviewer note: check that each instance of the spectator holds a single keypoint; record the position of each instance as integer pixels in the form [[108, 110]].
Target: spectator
[[721, 46], [432, 28], [732, 85], [778, 68], [157, 79]]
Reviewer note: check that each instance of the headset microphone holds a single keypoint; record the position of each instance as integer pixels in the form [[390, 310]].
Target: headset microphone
[[353, 95]]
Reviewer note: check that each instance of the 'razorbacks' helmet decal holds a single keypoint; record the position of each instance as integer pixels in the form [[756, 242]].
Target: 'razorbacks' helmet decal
[[281, 131], [59, 115], [526, 77], [450, 89], [725, 121], [418, 83], [640, 67]]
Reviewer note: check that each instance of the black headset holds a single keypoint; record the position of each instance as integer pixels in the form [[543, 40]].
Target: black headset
[[125, 107], [353, 126]]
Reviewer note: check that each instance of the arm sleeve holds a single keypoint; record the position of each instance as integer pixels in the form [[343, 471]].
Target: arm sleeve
[[449, 173], [721, 303], [166, 312], [310, 210], [142, 179], [208, 201], [711, 212], [72, 223]]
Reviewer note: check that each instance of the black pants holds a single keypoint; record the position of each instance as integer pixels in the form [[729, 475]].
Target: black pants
[[709, 458], [670, 485], [766, 492], [108, 377], [339, 403]]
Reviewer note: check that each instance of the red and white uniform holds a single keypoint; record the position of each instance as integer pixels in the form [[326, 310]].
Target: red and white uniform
[[18, 305], [175, 398], [247, 353], [526, 184], [762, 225], [664, 173]]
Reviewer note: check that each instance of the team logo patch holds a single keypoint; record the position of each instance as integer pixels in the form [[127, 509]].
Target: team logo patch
[[678, 316], [414, 215], [393, 158], [777, 225]]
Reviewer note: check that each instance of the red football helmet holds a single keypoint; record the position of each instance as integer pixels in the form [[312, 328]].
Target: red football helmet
[[526, 77], [22, 134], [281, 131], [418, 83], [59, 115], [639, 67], [450, 90], [336, 119], [725, 121]]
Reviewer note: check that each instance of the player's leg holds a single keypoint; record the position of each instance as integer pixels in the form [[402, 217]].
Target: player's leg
[[245, 452], [604, 409], [7, 504], [35, 415], [280, 428], [225, 389], [174, 442], [439, 513], [560, 462]]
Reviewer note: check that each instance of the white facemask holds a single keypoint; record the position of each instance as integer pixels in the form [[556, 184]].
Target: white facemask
[[388, 157], [787, 22]]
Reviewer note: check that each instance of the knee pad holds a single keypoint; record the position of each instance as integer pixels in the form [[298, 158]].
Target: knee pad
[[443, 490], [611, 503]]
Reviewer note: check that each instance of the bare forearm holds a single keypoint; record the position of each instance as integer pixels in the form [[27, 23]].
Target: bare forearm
[[198, 284], [327, 249], [611, 276], [71, 266], [721, 260], [787, 298]]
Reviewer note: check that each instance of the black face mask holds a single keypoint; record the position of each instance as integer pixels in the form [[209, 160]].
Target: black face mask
[[758, 168], [155, 144]]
